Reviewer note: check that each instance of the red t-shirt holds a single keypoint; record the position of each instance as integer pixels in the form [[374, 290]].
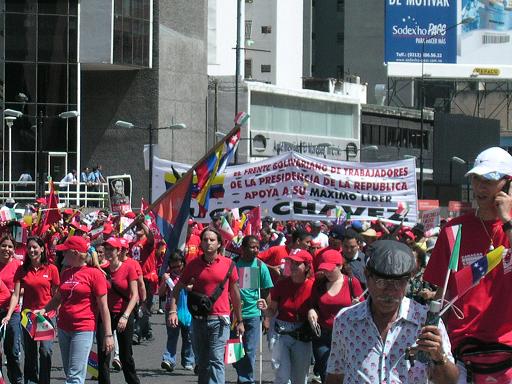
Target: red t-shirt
[[37, 285], [294, 299], [135, 265], [208, 277], [7, 272], [121, 279], [5, 296], [192, 248], [328, 306], [274, 256], [487, 315], [79, 288], [143, 251]]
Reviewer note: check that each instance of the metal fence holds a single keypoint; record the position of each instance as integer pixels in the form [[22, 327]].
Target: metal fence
[[71, 194]]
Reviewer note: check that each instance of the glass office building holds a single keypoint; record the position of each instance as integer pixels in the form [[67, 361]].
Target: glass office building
[[40, 66]]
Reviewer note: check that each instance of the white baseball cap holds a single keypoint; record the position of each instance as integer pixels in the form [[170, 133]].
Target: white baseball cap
[[493, 164]]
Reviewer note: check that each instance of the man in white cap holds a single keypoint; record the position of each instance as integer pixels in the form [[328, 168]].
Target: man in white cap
[[487, 313]]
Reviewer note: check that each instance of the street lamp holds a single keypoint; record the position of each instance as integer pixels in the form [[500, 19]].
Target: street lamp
[[10, 115], [368, 148], [460, 161], [128, 125], [9, 120], [422, 94]]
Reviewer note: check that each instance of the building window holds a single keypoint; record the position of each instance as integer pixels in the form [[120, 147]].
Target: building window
[[248, 68], [265, 29], [340, 5], [248, 29], [266, 68], [340, 37]]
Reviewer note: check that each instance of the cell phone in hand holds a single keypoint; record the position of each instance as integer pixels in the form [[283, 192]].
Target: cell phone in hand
[[506, 187]]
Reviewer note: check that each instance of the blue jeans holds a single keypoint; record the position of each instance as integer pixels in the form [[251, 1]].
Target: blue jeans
[[245, 367], [75, 348], [321, 351], [293, 357], [12, 348], [187, 354], [210, 337], [30, 367]]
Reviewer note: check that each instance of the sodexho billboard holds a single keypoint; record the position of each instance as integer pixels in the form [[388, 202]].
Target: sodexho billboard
[[449, 38]]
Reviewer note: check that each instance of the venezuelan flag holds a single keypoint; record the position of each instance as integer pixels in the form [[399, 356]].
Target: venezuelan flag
[[206, 173], [471, 275]]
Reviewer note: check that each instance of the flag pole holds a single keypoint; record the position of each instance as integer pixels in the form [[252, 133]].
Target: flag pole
[[215, 148], [261, 340]]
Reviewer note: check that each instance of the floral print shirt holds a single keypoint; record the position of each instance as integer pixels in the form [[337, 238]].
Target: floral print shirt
[[359, 353]]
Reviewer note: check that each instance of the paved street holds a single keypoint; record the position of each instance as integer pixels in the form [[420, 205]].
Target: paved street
[[147, 360]]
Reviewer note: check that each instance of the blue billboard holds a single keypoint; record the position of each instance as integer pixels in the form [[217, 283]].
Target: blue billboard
[[421, 31]]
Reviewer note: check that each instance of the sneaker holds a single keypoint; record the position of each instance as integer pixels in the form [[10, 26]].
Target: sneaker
[[160, 311], [315, 379], [116, 364], [167, 366], [188, 367], [135, 339]]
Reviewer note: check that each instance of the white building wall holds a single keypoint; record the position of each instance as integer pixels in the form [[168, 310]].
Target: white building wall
[[222, 38], [289, 41], [261, 13], [285, 18]]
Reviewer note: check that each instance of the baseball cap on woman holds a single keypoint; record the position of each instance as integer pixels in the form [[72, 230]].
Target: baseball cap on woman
[[75, 243], [492, 164]]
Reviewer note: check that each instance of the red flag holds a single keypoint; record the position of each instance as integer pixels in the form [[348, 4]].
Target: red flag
[[254, 220], [52, 214]]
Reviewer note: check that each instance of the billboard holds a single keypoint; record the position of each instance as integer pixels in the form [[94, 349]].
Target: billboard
[[449, 38]]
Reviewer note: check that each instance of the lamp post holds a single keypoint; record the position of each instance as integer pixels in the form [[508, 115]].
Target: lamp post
[[127, 125], [10, 115], [39, 144], [422, 94], [368, 148], [460, 161]]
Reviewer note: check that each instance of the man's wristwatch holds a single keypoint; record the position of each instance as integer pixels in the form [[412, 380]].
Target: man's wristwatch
[[443, 361]]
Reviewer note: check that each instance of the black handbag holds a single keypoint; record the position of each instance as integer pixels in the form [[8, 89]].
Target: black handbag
[[201, 305]]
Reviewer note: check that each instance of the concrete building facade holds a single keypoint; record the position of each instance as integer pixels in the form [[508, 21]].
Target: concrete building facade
[[139, 61]]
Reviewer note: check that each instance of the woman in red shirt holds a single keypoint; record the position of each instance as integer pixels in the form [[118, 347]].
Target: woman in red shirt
[[12, 341], [39, 281], [82, 295], [122, 298], [291, 342], [331, 292]]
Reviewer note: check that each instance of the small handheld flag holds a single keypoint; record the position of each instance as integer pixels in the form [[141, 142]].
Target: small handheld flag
[[249, 278], [471, 275], [234, 351], [92, 364]]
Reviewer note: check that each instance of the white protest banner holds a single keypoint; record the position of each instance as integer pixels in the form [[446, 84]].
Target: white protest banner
[[300, 187], [430, 218]]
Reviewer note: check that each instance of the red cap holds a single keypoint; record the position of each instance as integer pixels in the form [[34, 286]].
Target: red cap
[[41, 200], [107, 227], [329, 260], [69, 211], [410, 235], [114, 242], [130, 215], [75, 243], [124, 243], [301, 256]]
